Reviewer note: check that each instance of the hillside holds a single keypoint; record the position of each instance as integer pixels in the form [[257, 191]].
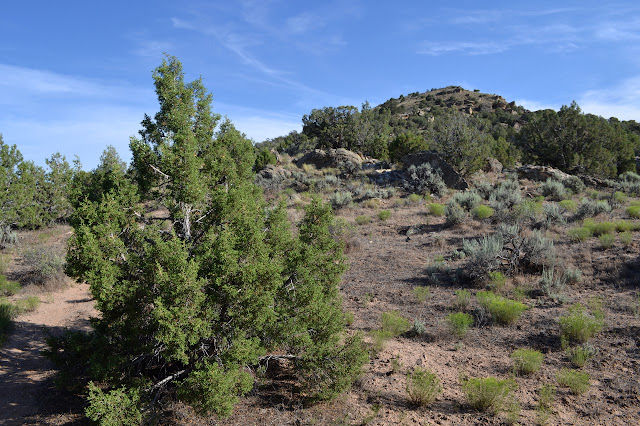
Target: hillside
[[455, 98]]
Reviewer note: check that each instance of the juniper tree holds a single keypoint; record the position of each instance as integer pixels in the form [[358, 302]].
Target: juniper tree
[[191, 300]]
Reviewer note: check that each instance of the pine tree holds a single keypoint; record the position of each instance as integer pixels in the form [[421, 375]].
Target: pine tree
[[190, 300]]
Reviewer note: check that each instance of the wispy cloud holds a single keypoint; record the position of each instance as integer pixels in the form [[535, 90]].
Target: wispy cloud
[[486, 16], [505, 30], [29, 82], [621, 101], [239, 45], [303, 23], [435, 48], [152, 48], [619, 31]]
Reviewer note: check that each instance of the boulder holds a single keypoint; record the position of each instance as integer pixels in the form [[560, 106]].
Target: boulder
[[541, 173], [277, 173], [450, 177], [330, 158], [493, 165]]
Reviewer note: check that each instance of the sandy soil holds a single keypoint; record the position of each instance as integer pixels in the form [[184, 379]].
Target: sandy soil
[[29, 395]]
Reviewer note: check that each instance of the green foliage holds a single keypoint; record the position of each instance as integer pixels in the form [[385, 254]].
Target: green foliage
[[214, 389], [31, 196], [380, 338], [418, 328], [599, 228], [424, 179], [468, 200], [568, 205], [363, 219], [580, 233], [422, 293], [552, 282], [454, 213], [482, 212], [626, 237], [576, 381], [569, 139], [574, 184], [607, 240], [436, 209], [553, 215], [415, 198], [502, 310], [544, 408], [45, 262], [189, 301], [461, 142], [590, 208], [578, 326], [423, 387], [527, 361], [460, 323], [341, 199], [488, 393], [406, 143], [264, 157], [116, 407], [580, 355], [554, 190], [394, 323], [462, 300], [384, 215], [8, 288], [496, 280], [7, 313], [633, 212], [28, 304]]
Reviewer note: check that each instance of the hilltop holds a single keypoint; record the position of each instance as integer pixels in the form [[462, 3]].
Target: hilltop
[[455, 98]]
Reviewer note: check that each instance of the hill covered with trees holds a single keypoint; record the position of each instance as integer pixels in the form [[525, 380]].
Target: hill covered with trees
[[453, 120]]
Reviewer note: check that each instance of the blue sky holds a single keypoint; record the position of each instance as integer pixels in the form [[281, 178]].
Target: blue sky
[[76, 75]]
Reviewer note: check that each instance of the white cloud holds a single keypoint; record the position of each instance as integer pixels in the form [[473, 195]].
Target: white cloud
[[533, 105], [621, 101], [472, 48], [19, 82]]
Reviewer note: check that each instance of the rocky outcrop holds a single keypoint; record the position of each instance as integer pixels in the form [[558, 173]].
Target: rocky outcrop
[[276, 173], [450, 177], [330, 158], [541, 173]]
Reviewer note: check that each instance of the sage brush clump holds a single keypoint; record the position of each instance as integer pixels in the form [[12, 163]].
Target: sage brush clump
[[578, 326], [527, 361], [423, 387], [488, 393], [460, 323], [503, 311], [576, 381]]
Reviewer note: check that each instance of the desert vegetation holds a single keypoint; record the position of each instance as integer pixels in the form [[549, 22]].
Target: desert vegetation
[[238, 282]]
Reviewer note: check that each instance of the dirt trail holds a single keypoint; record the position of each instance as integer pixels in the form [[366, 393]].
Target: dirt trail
[[27, 392]]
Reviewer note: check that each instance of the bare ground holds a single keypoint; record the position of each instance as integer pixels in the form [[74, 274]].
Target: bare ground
[[29, 395], [385, 266]]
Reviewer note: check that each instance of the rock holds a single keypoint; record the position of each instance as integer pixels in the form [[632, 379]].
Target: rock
[[277, 173], [541, 173], [450, 177], [277, 155], [493, 165], [330, 158]]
